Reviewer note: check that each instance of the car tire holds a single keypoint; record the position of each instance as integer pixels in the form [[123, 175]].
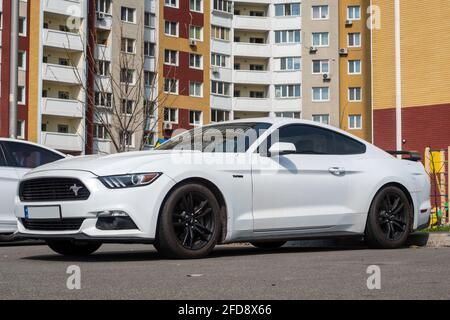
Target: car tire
[[74, 248], [268, 244], [189, 224], [390, 219]]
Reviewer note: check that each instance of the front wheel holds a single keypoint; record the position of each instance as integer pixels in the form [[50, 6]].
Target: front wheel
[[390, 219], [189, 225], [74, 248]]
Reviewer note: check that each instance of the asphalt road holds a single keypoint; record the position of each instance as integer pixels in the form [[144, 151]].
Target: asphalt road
[[232, 272]]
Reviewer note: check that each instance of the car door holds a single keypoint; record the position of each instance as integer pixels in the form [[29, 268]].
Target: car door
[[307, 190], [8, 185]]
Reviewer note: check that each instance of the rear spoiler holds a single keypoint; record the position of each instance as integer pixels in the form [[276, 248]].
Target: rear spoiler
[[407, 155]]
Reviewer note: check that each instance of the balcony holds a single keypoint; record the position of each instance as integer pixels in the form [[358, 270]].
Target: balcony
[[65, 7], [68, 142], [150, 6], [62, 40], [221, 102], [104, 21], [61, 107], [251, 77], [150, 35], [245, 49], [251, 23], [102, 146], [62, 74], [103, 83], [103, 52], [252, 104], [149, 64]]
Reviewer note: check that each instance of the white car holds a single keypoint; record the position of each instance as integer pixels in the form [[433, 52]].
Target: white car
[[264, 181], [17, 158]]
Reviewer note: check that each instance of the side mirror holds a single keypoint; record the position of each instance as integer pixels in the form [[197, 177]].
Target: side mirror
[[282, 148]]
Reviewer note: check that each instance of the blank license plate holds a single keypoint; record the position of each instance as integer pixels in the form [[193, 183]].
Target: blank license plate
[[47, 212]]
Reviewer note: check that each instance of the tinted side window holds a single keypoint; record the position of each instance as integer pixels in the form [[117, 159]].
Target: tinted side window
[[308, 139], [2, 157], [28, 156], [346, 145]]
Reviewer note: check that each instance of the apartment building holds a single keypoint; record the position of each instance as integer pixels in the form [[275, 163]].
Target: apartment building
[[256, 49], [411, 100], [23, 66]]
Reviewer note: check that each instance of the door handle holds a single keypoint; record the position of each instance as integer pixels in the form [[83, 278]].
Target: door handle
[[337, 171]]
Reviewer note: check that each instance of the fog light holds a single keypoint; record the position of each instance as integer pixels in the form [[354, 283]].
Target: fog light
[[114, 220]]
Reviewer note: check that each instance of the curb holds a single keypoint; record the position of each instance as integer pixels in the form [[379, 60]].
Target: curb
[[430, 240]]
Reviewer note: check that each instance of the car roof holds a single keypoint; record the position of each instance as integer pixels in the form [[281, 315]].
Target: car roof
[[33, 144]]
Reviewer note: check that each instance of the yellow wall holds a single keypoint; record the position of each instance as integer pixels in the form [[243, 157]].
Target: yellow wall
[[182, 45], [364, 79], [34, 71]]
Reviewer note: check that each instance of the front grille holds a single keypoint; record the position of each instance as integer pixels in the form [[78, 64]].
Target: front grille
[[53, 224], [53, 189]]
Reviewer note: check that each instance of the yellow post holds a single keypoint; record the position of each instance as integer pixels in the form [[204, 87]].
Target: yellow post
[[427, 160], [448, 184], [442, 188]]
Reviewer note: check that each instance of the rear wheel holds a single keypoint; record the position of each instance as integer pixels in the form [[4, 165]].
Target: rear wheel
[[269, 244], [74, 248], [390, 219], [189, 225]]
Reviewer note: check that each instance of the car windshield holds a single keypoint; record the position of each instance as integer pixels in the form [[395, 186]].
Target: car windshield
[[225, 138]]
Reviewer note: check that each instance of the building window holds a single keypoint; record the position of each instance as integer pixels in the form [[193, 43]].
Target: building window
[[354, 67], [128, 45], [21, 97], [149, 49], [22, 26], [20, 130], [171, 115], [220, 33], [288, 114], [22, 60], [354, 121], [321, 66], [219, 115], [103, 68], [64, 95], [223, 5], [127, 106], [195, 89], [195, 61], [288, 91], [354, 94], [287, 36], [100, 132], [219, 60], [171, 28], [171, 57], [320, 12], [196, 5], [103, 99], [171, 86], [149, 78], [354, 39], [220, 88], [354, 13], [171, 3], [196, 33], [320, 94], [128, 14], [103, 6], [63, 128], [257, 94], [195, 118], [290, 64], [127, 76], [321, 118], [320, 39], [287, 9], [127, 138], [149, 20]]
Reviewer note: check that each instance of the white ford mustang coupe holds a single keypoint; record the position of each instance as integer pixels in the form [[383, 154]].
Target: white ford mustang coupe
[[264, 181]]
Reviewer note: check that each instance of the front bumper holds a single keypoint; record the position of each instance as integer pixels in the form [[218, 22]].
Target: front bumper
[[142, 204]]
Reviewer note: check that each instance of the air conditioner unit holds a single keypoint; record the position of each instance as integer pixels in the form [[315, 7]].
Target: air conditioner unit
[[167, 126], [349, 22], [100, 16], [326, 77], [193, 43], [312, 50], [343, 51], [215, 70]]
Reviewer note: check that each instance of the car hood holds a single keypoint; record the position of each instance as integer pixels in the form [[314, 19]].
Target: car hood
[[102, 165]]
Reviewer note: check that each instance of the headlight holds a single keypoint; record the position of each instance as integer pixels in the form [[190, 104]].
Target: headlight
[[129, 180]]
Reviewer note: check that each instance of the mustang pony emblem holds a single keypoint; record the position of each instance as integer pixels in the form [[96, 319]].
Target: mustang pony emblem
[[75, 189]]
